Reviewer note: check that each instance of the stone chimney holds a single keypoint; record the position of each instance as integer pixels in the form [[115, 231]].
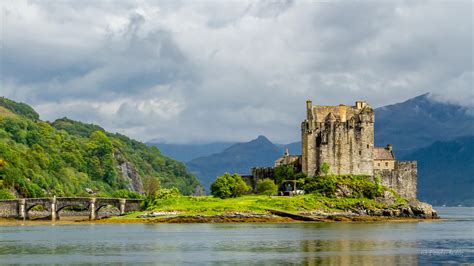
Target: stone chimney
[[309, 110], [287, 153], [389, 147], [360, 104]]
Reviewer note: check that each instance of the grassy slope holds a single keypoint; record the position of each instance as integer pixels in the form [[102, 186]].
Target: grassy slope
[[207, 205]]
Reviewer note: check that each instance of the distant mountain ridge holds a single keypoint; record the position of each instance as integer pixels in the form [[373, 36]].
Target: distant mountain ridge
[[446, 172], [188, 152], [238, 158], [420, 121]]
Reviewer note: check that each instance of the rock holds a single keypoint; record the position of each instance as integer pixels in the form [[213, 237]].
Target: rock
[[130, 174], [405, 211], [423, 210], [387, 198], [157, 214], [343, 191], [90, 191]]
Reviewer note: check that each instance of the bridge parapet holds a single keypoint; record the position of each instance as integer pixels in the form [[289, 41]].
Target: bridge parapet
[[18, 208]]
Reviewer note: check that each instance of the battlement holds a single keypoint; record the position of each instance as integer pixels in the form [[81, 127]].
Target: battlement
[[342, 113]]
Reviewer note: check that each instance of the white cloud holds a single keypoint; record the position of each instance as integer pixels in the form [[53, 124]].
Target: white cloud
[[195, 71]]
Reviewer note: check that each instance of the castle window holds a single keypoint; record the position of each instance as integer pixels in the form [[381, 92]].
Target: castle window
[[386, 164], [360, 152], [378, 164], [367, 146]]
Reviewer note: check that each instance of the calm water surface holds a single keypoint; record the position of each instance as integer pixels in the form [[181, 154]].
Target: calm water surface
[[381, 243]]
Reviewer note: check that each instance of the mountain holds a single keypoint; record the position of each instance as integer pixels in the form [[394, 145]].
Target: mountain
[[188, 152], [420, 121], [70, 158], [293, 148], [238, 158], [446, 172]]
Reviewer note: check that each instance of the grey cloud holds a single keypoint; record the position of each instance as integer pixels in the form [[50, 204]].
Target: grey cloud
[[188, 71]]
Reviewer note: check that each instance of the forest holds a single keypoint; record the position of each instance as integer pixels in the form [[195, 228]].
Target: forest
[[71, 158]]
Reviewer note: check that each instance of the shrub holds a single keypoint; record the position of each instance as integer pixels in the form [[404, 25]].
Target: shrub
[[229, 186], [359, 186], [6, 194], [151, 185], [167, 193], [266, 187], [324, 168], [126, 194]]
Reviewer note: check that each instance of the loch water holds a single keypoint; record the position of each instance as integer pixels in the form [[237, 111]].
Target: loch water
[[447, 241]]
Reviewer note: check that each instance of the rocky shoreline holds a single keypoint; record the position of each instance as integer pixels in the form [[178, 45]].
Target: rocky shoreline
[[414, 211]]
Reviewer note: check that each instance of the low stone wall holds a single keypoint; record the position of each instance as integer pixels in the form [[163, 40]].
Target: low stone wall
[[9, 209], [132, 205], [258, 173], [403, 179]]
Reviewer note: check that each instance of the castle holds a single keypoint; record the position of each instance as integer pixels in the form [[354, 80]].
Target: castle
[[343, 138]]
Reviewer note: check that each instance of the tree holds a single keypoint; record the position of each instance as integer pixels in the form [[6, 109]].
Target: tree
[[324, 168], [229, 186], [266, 187], [284, 172], [151, 185]]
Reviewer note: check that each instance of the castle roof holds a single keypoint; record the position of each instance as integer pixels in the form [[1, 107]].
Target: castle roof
[[383, 154]]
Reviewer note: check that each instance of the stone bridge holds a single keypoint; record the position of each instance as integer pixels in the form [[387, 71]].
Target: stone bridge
[[19, 208]]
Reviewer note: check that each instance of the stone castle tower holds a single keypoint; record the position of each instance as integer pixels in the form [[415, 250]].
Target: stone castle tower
[[342, 136]]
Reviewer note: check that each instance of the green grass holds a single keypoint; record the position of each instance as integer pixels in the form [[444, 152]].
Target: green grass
[[207, 205]]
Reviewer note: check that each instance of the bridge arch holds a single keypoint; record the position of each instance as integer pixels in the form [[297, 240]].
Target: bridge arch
[[31, 203]]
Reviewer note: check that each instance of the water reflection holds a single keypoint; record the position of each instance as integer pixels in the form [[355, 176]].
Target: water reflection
[[267, 244]]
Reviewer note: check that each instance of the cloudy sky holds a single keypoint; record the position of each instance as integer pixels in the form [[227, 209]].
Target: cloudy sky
[[195, 71]]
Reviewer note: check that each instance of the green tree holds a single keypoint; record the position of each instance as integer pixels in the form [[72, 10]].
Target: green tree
[[151, 185], [229, 186], [324, 168], [284, 172], [266, 187], [101, 163]]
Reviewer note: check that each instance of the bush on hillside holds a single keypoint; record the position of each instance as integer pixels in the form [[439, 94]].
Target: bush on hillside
[[354, 186], [126, 194], [229, 186], [266, 187], [6, 194]]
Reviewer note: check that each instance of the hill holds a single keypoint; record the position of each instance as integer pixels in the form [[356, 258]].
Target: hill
[[68, 158], [446, 172], [188, 152], [420, 121], [238, 158]]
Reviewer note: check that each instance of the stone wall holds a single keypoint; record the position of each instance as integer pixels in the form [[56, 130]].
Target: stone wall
[[384, 164], [402, 178], [258, 173], [9, 209]]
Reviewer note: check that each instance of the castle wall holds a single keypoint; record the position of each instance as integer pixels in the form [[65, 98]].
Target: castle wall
[[258, 173], [384, 164], [342, 136], [402, 178]]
